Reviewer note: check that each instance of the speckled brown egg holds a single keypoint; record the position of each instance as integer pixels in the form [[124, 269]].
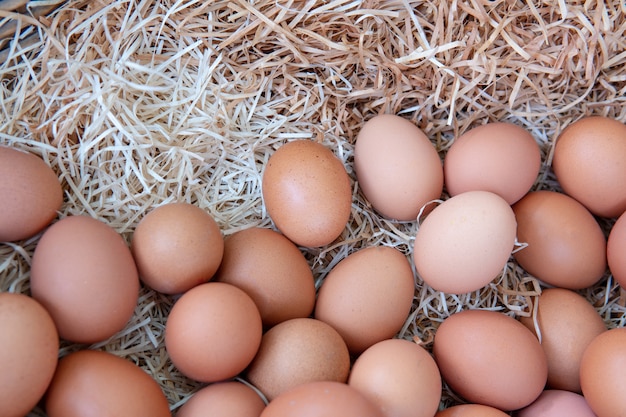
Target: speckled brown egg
[[223, 399], [213, 332], [30, 194], [307, 193], [321, 398], [567, 323], [500, 157], [270, 269], [589, 164], [400, 377], [177, 246], [367, 296], [490, 358], [29, 347], [603, 373], [297, 351], [98, 383], [84, 274], [397, 166], [566, 246]]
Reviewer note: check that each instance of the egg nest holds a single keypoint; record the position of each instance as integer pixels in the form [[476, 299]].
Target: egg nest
[[137, 103]]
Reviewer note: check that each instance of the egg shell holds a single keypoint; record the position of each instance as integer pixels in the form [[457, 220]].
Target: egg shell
[[465, 242], [397, 167], [567, 323], [177, 246], [557, 403], [270, 269], [297, 351], [367, 296], [589, 164], [29, 346], [223, 399], [471, 410], [84, 274], [307, 193], [30, 194], [98, 383], [490, 358], [616, 251], [213, 332], [603, 373], [500, 157], [321, 398], [566, 246], [400, 377]]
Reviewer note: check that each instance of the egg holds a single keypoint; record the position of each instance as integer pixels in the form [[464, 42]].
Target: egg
[[213, 332], [615, 250], [297, 351], [588, 163], [471, 410], [367, 296], [400, 377], [565, 245], [321, 398], [465, 242], [500, 157], [603, 373], [98, 383], [567, 323], [29, 347], [557, 403], [30, 194], [490, 358], [223, 399], [84, 274], [397, 167], [177, 246], [307, 193], [270, 269]]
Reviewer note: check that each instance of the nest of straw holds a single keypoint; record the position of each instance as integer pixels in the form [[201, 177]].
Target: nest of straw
[[136, 103]]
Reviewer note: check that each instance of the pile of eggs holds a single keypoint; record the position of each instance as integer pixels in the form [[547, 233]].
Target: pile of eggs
[[249, 324]]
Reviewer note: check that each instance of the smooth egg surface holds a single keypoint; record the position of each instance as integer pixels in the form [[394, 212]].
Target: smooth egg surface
[[557, 403], [471, 410], [223, 399]]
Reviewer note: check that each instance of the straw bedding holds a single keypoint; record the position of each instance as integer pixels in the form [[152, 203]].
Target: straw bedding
[[135, 103]]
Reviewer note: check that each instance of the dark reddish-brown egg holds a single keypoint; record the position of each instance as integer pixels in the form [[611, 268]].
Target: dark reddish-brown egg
[[30, 194], [29, 347], [270, 269], [84, 274]]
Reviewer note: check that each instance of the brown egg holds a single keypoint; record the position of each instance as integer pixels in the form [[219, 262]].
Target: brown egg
[[223, 399], [177, 246], [97, 383], [297, 351], [603, 373], [500, 157], [29, 347], [270, 269], [85, 276], [30, 194], [307, 193], [490, 358], [566, 246], [465, 242], [213, 332], [567, 323], [400, 377], [557, 403], [588, 162], [616, 249], [471, 410], [397, 166], [321, 398], [367, 296]]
